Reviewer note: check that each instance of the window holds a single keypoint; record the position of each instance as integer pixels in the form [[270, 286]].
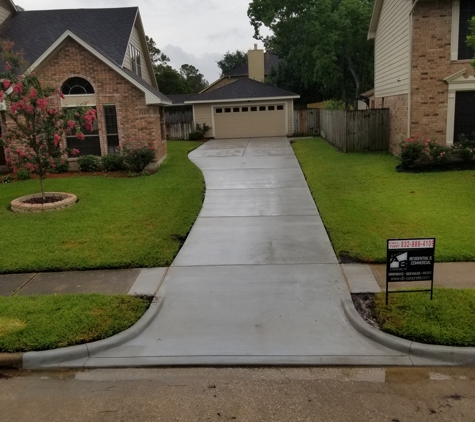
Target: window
[[253, 108], [110, 116], [280, 107], [467, 10], [236, 110], [135, 60], [90, 145], [77, 86], [219, 110], [262, 108], [271, 108], [227, 110], [245, 109], [464, 115]]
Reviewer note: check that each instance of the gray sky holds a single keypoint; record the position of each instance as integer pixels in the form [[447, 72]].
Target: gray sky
[[196, 32]]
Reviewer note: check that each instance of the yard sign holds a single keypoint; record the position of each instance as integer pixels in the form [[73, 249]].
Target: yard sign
[[410, 260]]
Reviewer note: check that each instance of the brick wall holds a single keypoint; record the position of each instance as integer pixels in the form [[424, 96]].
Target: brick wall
[[398, 110], [431, 63], [136, 121]]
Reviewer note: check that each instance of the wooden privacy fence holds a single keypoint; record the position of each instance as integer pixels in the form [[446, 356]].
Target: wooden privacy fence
[[306, 122], [179, 131], [356, 131]]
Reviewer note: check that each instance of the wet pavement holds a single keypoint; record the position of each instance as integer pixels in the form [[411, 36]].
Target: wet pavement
[[240, 394]]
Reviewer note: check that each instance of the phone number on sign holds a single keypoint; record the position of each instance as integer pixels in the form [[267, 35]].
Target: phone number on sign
[[411, 244]]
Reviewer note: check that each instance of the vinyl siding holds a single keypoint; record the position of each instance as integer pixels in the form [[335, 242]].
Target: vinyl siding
[[392, 49], [135, 41], [4, 11]]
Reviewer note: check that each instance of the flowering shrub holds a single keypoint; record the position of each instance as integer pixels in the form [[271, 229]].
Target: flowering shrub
[[138, 157], [440, 154], [413, 150], [33, 141]]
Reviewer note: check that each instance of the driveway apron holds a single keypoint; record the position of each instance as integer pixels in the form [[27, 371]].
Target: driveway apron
[[257, 280]]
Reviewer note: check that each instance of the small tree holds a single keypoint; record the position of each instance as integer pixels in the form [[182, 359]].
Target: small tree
[[33, 140], [471, 38]]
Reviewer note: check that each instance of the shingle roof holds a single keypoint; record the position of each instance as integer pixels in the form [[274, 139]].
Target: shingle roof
[[106, 30], [270, 61], [180, 98], [240, 89]]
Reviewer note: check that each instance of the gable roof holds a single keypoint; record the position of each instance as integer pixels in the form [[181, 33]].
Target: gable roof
[[103, 32], [270, 61], [106, 30], [242, 89]]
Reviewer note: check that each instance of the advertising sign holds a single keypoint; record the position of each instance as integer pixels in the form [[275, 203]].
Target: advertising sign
[[410, 260]]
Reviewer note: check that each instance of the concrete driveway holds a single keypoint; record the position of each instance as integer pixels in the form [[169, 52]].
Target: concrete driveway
[[257, 281]]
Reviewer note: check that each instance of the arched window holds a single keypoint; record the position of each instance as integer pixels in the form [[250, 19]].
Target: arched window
[[77, 86]]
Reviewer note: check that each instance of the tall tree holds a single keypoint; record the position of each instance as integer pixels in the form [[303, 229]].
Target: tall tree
[[156, 55], [194, 79], [324, 41], [471, 38], [231, 60]]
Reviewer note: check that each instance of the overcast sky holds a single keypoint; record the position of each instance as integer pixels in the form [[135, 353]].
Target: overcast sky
[[196, 32]]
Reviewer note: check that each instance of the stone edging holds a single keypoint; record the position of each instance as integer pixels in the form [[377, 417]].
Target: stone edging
[[55, 357], [448, 354], [18, 205]]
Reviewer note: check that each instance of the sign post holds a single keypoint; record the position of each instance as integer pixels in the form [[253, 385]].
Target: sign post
[[410, 260]]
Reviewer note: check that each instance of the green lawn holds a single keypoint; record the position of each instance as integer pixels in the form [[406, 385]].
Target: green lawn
[[117, 223], [449, 319], [363, 201], [47, 322]]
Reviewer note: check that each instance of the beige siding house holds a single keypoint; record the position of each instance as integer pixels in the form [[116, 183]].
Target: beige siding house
[[422, 67]]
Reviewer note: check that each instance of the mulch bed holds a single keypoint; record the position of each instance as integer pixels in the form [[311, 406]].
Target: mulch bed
[[364, 304], [47, 200]]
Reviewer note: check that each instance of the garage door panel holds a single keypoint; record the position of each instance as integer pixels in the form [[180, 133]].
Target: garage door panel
[[249, 124]]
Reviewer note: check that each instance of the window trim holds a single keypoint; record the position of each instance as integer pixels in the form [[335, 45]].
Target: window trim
[[135, 60], [454, 37]]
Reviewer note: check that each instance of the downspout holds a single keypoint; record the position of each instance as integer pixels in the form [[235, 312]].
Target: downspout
[[409, 94]]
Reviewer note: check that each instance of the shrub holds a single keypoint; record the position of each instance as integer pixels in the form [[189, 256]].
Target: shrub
[[62, 165], [113, 162], [138, 157], [465, 147], [413, 150], [23, 174], [89, 163], [199, 133], [440, 154], [334, 105]]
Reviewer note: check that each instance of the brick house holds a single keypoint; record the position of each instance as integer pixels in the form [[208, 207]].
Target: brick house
[[97, 57], [422, 68]]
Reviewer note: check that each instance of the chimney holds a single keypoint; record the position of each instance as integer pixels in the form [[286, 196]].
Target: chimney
[[255, 60]]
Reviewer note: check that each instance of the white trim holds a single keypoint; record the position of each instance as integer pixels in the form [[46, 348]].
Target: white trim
[[454, 38], [150, 98], [212, 120], [243, 99], [373, 26], [456, 82], [286, 108]]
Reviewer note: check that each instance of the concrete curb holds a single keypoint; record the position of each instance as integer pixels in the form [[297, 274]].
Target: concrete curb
[[51, 358], [10, 360], [450, 355]]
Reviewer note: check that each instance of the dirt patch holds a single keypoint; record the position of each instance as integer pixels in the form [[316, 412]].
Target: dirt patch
[[47, 200], [364, 304]]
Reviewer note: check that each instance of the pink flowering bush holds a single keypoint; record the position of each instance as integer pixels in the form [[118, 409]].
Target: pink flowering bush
[[413, 150], [33, 141]]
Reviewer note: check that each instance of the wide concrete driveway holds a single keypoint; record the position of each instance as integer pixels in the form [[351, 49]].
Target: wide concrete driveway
[[257, 281]]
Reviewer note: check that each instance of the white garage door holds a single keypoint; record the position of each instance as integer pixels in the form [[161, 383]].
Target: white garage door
[[250, 121]]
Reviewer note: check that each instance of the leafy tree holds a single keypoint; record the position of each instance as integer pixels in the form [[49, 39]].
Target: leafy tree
[[170, 81], [471, 38], [322, 41], [194, 79], [34, 136], [156, 55], [232, 60]]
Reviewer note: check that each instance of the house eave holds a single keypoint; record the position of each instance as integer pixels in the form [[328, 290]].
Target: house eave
[[233, 100], [373, 26]]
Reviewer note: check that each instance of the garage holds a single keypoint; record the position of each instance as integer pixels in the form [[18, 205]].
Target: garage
[[245, 109], [257, 120]]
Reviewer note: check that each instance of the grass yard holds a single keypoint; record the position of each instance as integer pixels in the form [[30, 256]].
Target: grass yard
[[447, 320], [363, 201], [117, 223], [46, 322]]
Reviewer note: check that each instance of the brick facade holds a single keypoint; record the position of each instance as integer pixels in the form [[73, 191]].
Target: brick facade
[[137, 122], [398, 109], [431, 64]]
